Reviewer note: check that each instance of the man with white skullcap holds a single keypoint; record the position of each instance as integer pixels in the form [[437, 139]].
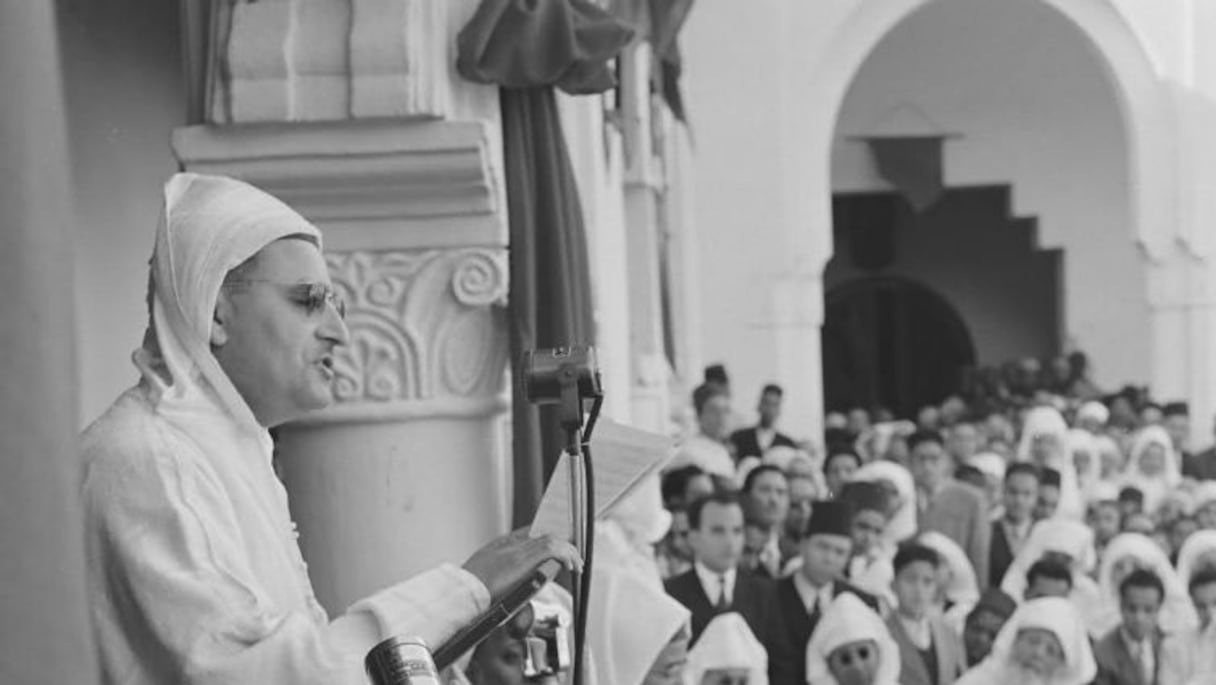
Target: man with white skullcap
[[728, 653], [851, 646], [194, 572]]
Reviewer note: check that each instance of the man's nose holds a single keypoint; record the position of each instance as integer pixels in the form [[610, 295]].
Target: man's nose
[[333, 328]]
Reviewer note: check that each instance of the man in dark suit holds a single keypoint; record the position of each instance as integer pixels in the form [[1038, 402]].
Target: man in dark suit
[[1010, 531], [766, 501], [1200, 466], [826, 546], [754, 441], [930, 653], [1131, 653], [716, 585]]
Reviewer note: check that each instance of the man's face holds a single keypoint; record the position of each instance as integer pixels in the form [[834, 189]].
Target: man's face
[[855, 663], [1139, 607], [824, 557], [714, 416], [770, 409], [499, 660], [1179, 427], [841, 468], [274, 344], [1049, 500], [916, 587], [868, 525], [1106, 521], [1038, 651], [859, 421], [1150, 416], [930, 465], [679, 536], [964, 441], [1152, 460], [1204, 599], [979, 632], [770, 497], [718, 542], [1043, 586], [1021, 495], [802, 497]]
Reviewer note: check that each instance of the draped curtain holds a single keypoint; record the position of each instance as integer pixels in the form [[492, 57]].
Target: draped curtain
[[528, 48]]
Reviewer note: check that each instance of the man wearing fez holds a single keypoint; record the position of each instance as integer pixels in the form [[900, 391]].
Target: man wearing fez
[[194, 572], [807, 594]]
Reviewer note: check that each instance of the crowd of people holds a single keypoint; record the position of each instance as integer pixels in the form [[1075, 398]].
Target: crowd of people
[[1042, 535]]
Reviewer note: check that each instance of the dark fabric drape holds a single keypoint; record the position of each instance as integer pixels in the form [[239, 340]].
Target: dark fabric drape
[[528, 48], [913, 165]]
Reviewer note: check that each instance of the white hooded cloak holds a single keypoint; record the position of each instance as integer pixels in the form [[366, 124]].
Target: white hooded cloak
[[194, 574]]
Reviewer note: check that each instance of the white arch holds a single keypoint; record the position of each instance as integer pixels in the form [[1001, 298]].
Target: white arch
[[830, 71]]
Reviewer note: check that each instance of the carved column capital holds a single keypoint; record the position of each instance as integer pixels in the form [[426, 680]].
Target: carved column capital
[[427, 333]]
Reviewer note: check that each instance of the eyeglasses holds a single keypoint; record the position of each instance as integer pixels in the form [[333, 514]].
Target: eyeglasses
[[312, 296]]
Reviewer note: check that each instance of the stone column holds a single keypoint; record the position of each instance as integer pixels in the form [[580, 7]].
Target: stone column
[[350, 112], [43, 609]]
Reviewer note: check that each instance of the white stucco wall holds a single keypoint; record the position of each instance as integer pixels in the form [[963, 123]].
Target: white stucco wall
[[764, 80], [124, 89], [1035, 110]]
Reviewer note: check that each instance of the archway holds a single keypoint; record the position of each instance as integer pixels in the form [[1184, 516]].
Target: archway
[[891, 342]]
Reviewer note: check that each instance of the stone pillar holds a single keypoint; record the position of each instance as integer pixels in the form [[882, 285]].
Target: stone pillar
[[348, 111], [43, 609]]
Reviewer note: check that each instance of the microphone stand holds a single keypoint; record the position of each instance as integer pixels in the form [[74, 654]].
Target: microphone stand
[[582, 499]]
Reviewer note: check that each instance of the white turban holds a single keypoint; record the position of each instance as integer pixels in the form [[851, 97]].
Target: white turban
[[211, 224], [1094, 411], [990, 464], [630, 621], [1054, 615], [1054, 535], [962, 590], [902, 525], [1154, 487], [847, 620], [1177, 614], [1199, 547], [727, 643], [1042, 421]]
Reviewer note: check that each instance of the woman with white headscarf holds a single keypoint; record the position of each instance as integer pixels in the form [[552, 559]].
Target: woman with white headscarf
[[1153, 466], [851, 646], [1126, 553], [1111, 459], [1191, 654], [1084, 459], [992, 465], [1066, 539], [901, 497], [195, 573], [960, 589], [1043, 643], [726, 650], [1045, 443]]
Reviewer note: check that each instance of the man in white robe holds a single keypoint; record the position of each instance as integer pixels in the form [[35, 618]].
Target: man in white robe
[[195, 575]]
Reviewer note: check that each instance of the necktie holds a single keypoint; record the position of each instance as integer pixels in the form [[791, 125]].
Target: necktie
[[815, 612], [722, 604], [769, 561], [1142, 659]]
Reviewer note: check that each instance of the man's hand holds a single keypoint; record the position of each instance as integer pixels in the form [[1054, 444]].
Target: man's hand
[[507, 561]]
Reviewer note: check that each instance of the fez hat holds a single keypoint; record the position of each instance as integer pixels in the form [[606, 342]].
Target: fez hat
[[831, 517]]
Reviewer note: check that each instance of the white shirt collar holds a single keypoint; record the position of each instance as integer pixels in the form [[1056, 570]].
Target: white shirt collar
[[711, 582], [917, 630], [809, 593]]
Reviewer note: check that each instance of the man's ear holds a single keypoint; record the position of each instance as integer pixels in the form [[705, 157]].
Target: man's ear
[[220, 320]]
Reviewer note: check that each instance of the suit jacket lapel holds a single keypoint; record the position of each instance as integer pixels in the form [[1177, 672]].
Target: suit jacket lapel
[[942, 647], [913, 669]]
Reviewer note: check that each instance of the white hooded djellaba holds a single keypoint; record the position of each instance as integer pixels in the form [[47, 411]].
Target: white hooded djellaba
[[1054, 615], [846, 621], [194, 573]]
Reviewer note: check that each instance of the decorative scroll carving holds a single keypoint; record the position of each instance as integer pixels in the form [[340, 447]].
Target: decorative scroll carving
[[423, 324]]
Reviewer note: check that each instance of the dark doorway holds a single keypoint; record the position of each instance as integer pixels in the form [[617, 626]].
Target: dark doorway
[[891, 342]]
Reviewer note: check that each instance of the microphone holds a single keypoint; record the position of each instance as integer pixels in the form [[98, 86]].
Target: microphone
[[498, 614]]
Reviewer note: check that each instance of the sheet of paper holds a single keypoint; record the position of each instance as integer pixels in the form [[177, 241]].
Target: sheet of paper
[[623, 457]]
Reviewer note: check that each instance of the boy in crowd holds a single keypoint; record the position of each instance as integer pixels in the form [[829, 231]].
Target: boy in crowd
[[1049, 494], [766, 500], [1131, 653], [1010, 532], [984, 622], [929, 652]]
